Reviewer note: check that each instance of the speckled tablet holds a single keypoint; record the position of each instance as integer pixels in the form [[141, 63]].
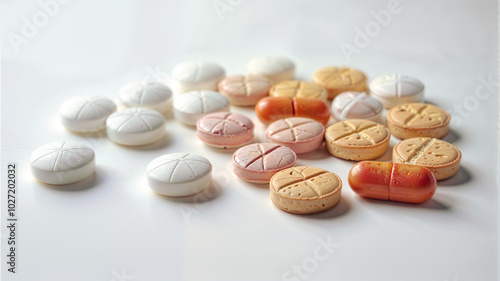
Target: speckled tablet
[[61, 163], [86, 113], [442, 158], [305, 190], [197, 75], [412, 120], [179, 174], [191, 106], [244, 90], [258, 162], [357, 139], [135, 126], [356, 105], [302, 135], [147, 93], [275, 68], [392, 90], [224, 129]]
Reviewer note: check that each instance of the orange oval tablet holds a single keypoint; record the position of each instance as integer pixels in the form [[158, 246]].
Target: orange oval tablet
[[270, 109], [392, 181]]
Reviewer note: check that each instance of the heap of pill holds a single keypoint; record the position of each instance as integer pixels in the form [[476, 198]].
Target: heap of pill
[[295, 113]]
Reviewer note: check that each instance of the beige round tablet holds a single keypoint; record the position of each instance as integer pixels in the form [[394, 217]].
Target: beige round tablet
[[413, 120], [305, 190], [357, 139], [442, 158], [302, 89], [340, 79]]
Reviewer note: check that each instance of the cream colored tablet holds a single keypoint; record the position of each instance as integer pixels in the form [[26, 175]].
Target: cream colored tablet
[[295, 88], [442, 158], [413, 120], [357, 139], [340, 79], [305, 190]]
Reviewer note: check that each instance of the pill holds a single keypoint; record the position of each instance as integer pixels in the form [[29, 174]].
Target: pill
[[394, 182], [275, 68], [357, 139], [86, 113], [300, 134], [270, 109], [301, 89], [61, 163], [196, 75], [442, 158], [392, 90], [224, 129], [412, 120], [135, 126], [356, 105], [258, 162], [179, 174], [337, 80], [147, 93], [244, 90], [305, 190], [191, 106]]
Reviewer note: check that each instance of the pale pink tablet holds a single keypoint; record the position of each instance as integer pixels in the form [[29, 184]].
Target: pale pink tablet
[[258, 162], [224, 129], [300, 134], [244, 90]]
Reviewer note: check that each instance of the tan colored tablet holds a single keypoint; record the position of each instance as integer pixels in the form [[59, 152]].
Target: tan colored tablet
[[442, 158], [357, 139], [295, 88], [340, 79], [305, 190], [413, 120]]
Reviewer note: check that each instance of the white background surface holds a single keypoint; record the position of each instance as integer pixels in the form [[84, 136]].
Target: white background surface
[[113, 227]]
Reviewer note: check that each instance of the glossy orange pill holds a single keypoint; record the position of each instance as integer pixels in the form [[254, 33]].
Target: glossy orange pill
[[270, 109], [392, 181]]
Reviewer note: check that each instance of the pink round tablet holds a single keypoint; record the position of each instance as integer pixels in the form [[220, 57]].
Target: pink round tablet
[[244, 90], [224, 129], [300, 134], [258, 162]]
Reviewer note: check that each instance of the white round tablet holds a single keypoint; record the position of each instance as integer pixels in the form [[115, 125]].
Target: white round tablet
[[355, 105], [135, 126], [62, 163], [86, 113], [147, 93], [275, 68], [392, 90], [191, 106], [197, 75], [179, 174]]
